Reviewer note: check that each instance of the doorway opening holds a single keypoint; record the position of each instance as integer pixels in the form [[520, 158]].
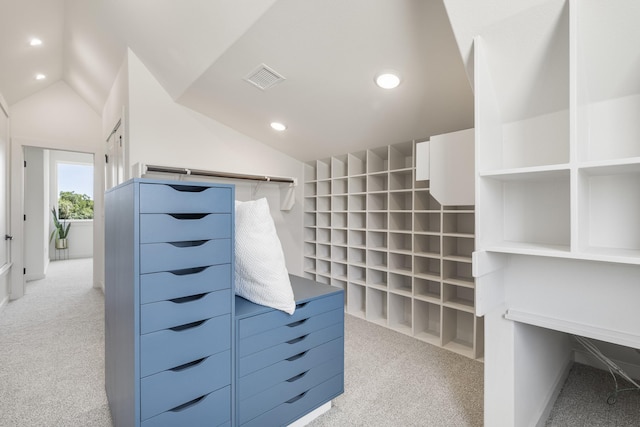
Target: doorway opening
[[58, 189]]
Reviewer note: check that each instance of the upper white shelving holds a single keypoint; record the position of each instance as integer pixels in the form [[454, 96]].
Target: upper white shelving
[[558, 135]]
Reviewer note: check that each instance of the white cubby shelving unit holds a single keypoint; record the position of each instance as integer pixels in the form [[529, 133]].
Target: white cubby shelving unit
[[557, 102], [403, 259]]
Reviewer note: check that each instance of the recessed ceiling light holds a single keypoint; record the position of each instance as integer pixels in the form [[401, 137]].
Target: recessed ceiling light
[[35, 42], [40, 77], [278, 126], [387, 80]]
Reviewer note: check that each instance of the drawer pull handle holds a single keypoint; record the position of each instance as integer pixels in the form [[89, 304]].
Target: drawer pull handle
[[296, 357], [191, 298], [188, 244], [298, 323], [187, 326], [188, 216], [295, 399], [187, 365], [187, 188], [297, 377], [297, 340], [187, 271], [187, 405], [302, 304]]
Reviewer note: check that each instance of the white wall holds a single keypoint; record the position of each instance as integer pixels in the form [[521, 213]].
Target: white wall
[[161, 132], [53, 118], [80, 241]]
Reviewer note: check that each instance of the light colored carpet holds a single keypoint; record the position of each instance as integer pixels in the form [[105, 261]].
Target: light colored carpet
[[52, 352], [394, 380], [583, 401]]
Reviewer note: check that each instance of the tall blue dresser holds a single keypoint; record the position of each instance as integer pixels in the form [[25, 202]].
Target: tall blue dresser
[[169, 303]]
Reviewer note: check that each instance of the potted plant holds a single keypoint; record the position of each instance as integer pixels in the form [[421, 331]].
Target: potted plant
[[60, 232]]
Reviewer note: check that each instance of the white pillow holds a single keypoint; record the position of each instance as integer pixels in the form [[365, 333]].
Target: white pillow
[[261, 274]]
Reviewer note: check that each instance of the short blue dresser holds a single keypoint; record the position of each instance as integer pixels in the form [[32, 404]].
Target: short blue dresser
[[169, 303], [289, 365]]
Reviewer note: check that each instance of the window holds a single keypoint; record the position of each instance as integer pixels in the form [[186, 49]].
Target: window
[[75, 191]]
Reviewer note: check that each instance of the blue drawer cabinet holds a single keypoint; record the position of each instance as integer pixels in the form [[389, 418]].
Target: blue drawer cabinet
[[169, 303], [287, 366]]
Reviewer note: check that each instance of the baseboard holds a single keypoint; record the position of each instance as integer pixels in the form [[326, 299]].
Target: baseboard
[[32, 277], [301, 422], [555, 392]]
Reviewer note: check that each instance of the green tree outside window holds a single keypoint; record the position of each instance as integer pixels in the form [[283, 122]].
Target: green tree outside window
[[75, 206]]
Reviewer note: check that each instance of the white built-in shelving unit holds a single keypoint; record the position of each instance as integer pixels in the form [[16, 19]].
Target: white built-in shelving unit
[[557, 139], [403, 259], [561, 166]]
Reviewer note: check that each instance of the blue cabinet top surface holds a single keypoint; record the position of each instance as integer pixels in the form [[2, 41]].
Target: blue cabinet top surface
[[303, 290]]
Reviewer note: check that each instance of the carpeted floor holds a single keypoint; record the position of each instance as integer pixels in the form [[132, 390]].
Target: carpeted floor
[[52, 352], [52, 370], [394, 380], [583, 401]]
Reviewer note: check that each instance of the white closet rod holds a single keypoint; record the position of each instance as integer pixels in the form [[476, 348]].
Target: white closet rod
[[215, 174]]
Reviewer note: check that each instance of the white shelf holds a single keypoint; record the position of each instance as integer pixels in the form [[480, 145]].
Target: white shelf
[[400, 313], [427, 290], [428, 321], [617, 255], [356, 299], [403, 259], [530, 210], [611, 167], [537, 173], [525, 248], [612, 255], [377, 306], [458, 335]]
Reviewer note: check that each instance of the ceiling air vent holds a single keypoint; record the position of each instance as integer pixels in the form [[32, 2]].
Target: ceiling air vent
[[264, 77]]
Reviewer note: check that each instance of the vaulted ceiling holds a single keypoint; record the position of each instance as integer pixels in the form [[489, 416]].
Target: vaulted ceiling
[[328, 51]]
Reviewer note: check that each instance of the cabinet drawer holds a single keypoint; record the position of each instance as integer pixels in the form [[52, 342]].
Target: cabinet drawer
[[288, 351], [178, 198], [289, 332], [156, 257], [180, 311], [169, 348], [213, 409], [169, 389], [183, 283], [301, 404], [273, 319], [268, 377], [155, 228], [290, 388]]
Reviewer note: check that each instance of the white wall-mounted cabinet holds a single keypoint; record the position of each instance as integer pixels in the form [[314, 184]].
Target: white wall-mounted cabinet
[[557, 194], [403, 258], [452, 167]]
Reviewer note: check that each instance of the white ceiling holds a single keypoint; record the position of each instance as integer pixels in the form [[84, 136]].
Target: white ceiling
[[200, 50]]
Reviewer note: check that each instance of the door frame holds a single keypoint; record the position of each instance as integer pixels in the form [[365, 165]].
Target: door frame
[[17, 286], [5, 169]]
